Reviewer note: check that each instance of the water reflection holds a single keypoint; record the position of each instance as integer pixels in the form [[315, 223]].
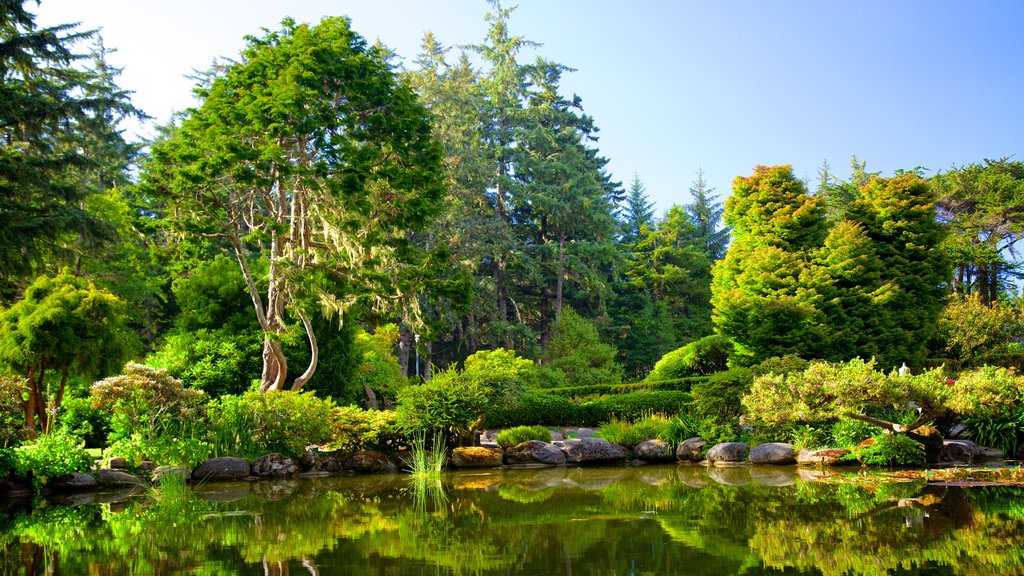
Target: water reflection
[[648, 520]]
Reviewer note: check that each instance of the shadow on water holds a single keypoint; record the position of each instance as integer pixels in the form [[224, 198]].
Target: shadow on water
[[594, 521]]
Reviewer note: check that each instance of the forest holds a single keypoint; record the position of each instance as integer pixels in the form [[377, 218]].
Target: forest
[[438, 245]]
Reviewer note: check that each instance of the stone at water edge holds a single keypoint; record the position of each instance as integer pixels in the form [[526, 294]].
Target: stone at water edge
[[111, 477], [274, 465], [728, 452], [118, 463], [223, 468], [366, 461], [777, 453], [593, 450], [653, 451], [161, 471], [73, 481], [959, 451], [476, 457], [535, 451], [826, 457], [691, 449]]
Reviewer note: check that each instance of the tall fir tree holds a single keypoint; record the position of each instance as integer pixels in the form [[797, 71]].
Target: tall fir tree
[[637, 215], [706, 214]]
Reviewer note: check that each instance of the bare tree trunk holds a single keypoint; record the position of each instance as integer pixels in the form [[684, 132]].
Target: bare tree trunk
[[428, 371], [314, 352], [405, 344], [561, 276]]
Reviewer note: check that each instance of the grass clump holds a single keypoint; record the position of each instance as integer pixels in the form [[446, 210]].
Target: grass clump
[[630, 434], [520, 434], [428, 463]]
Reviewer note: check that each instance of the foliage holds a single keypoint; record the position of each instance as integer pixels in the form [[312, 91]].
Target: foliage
[[377, 368], [972, 327], [1003, 433], [503, 374], [519, 434], [149, 403], [536, 407], [636, 405], [576, 350], [447, 404], [681, 427], [354, 429], [164, 450], [427, 464], [700, 358], [847, 432], [63, 323], [215, 361], [719, 396], [890, 450], [681, 384], [12, 419], [630, 434], [806, 436], [855, 389], [56, 454], [78, 415], [255, 424], [783, 365], [308, 116]]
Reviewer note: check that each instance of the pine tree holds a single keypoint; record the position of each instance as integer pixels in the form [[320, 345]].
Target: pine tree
[[638, 213], [706, 215]]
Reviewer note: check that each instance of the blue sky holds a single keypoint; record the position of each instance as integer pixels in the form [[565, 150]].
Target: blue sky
[[675, 87]]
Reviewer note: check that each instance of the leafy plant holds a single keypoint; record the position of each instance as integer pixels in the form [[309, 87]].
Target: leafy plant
[[447, 403], [52, 455], [255, 424], [576, 350], [700, 358], [632, 433], [520, 434], [847, 432], [150, 403], [188, 452], [679, 428], [890, 450], [807, 436], [1000, 433], [12, 418], [358, 429]]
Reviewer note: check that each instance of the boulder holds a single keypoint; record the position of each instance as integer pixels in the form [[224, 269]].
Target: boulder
[[366, 461], [593, 451], [653, 451], [582, 433], [476, 457], [730, 476], [70, 482], [772, 453], [827, 457], [986, 453], [162, 471], [959, 451], [221, 469], [535, 451], [111, 477], [311, 460], [274, 466], [691, 450], [118, 463], [931, 439], [728, 452], [147, 466]]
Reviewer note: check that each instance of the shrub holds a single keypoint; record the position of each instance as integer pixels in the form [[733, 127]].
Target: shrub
[[1001, 433], [681, 384], [847, 432], [636, 405], [781, 365], [700, 358], [576, 350], [255, 424], [56, 454], [538, 408], [501, 373], [629, 434], [680, 428], [356, 429], [447, 403], [150, 403], [719, 396], [520, 434], [217, 361], [77, 415], [172, 451], [809, 437], [12, 419], [891, 450], [8, 462]]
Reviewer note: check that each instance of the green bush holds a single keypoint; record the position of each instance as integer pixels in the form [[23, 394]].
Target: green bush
[[171, 451], [636, 405], [682, 384], [520, 434], [535, 407], [447, 403], [630, 434], [680, 428], [719, 396], [891, 450], [377, 367], [700, 358], [356, 429], [256, 424], [501, 373], [12, 418], [1001, 433], [149, 403], [575, 349], [52, 455], [847, 432], [77, 415], [809, 437], [781, 365]]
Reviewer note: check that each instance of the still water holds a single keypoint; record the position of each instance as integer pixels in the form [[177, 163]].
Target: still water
[[564, 521]]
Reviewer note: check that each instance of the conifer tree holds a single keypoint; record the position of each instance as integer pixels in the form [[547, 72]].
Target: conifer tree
[[637, 214]]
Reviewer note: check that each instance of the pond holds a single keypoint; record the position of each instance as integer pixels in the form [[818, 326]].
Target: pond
[[566, 521]]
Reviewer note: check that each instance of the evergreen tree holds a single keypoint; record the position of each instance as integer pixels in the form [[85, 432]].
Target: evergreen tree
[[638, 213], [706, 215], [577, 352]]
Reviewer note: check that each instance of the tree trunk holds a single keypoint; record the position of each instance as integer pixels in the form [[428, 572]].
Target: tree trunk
[[428, 371], [405, 344], [314, 354], [561, 276]]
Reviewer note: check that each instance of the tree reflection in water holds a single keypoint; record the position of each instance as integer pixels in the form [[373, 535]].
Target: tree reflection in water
[[649, 520]]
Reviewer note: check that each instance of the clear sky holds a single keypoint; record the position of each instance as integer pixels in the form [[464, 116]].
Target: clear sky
[[675, 86]]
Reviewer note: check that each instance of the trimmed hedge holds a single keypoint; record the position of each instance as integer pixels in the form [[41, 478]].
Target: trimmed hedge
[[680, 384], [535, 407]]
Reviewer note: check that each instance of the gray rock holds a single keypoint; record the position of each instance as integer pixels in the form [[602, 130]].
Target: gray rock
[[555, 436], [728, 452], [147, 466], [593, 450], [111, 477], [71, 482], [827, 457], [118, 463], [773, 453], [772, 476], [691, 450], [366, 461], [274, 466], [582, 433], [730, 476], [162, 471], [653, 451], [221, 469], [986, 453], [959, 451], [476, 457], [957, 430], [535, 451], [311, 460]]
